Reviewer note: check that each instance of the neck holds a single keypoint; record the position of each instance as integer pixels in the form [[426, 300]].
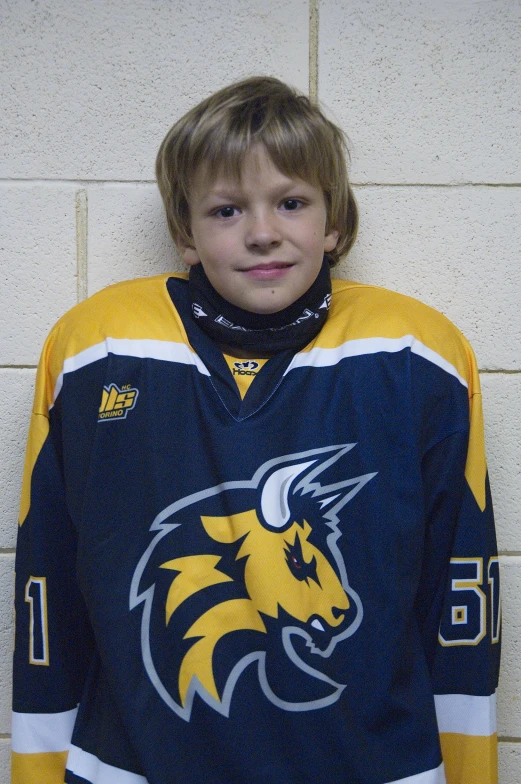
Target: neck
[[254, 335]]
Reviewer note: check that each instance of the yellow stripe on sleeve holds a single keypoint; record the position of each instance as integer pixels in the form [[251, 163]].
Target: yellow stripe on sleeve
[[476, 467], [44, 768], [469, 759], [39, 427], [38, 432]]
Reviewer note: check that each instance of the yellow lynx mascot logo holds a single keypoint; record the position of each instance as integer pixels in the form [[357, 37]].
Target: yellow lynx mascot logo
[[246, 581]]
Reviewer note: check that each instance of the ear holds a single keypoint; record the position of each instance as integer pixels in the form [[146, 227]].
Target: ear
[[189, 253], [330, 240]]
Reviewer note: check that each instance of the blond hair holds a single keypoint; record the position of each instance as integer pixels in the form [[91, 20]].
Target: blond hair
[[220, 131]]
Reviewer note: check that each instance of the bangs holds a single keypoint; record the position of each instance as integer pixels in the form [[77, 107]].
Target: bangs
[[293, 149]]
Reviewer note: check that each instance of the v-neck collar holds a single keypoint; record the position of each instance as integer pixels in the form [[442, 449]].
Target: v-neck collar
[[264, 385]]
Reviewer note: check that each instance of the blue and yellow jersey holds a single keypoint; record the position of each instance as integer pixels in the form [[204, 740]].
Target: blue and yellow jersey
[[235, 572]]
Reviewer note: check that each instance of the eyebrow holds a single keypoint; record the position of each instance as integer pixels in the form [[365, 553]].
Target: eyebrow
[[221, 193], [235, 191]]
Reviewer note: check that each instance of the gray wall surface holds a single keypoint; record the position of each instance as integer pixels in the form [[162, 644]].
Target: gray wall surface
[[428, 92]]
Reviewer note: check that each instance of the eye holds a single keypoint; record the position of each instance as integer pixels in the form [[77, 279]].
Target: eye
[[291, 204], [301, 569], [226, 212]]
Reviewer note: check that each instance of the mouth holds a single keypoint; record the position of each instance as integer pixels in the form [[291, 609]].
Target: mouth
[[320, 633], [270, 270]]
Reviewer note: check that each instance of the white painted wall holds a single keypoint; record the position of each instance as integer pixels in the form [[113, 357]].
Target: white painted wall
[[428, 91]]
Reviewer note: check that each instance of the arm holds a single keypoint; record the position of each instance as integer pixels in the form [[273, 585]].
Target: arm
[[459, 610], [53, 640]]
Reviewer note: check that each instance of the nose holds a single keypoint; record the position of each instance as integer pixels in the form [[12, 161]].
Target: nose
[[262, 231]]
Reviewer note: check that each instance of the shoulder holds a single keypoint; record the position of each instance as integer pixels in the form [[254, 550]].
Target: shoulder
[[394, 321], [369, 308], [139, 308], [110, 306], [135, 310]]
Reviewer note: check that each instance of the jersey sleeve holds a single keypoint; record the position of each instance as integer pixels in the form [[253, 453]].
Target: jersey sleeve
[[459, 604], [53, 643]]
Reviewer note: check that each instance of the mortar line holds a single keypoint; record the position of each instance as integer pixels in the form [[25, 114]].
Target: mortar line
[[81, 243], [499, 372], [509, 740], [18, 367], [512, 553], [461, 184], [313, 49], [7, 550], [79, 181]]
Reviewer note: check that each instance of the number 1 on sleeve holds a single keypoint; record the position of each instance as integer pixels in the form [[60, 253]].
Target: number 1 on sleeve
[[36, 596]]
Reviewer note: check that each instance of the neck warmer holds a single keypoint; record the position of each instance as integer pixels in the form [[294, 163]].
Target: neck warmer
[[290, 328]]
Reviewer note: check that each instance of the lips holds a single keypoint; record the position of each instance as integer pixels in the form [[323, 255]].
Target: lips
[[269, 265], [270, 270]]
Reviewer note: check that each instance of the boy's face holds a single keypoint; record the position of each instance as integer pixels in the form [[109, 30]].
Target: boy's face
[[261, 240]]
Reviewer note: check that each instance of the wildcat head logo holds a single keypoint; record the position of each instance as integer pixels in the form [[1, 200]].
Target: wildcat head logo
[[250, 573]]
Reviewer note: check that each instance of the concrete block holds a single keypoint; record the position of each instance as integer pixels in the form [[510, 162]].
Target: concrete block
[[6, 639], [16, 395], [509, 763], [509, 695], [455, 249], [127, 235], [501, 403], [5, 761], [96, 92], [426, 89], [38, 255]]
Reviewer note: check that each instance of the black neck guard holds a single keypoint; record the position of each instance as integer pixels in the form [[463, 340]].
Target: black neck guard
[[290, 328]]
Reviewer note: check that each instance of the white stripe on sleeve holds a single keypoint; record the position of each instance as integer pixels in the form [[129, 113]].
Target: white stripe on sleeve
[[466, 714], [95, 771], [35, 733], [435, 776]]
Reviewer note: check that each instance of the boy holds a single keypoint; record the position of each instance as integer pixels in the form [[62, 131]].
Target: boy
[[256, 538]]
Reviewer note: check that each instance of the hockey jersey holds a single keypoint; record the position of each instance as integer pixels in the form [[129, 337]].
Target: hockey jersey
[[295, 586]]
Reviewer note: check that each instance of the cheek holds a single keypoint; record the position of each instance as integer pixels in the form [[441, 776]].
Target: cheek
[[217, 247]]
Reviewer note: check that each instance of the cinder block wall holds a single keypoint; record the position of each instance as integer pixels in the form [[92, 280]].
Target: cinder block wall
[[428, 91]]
